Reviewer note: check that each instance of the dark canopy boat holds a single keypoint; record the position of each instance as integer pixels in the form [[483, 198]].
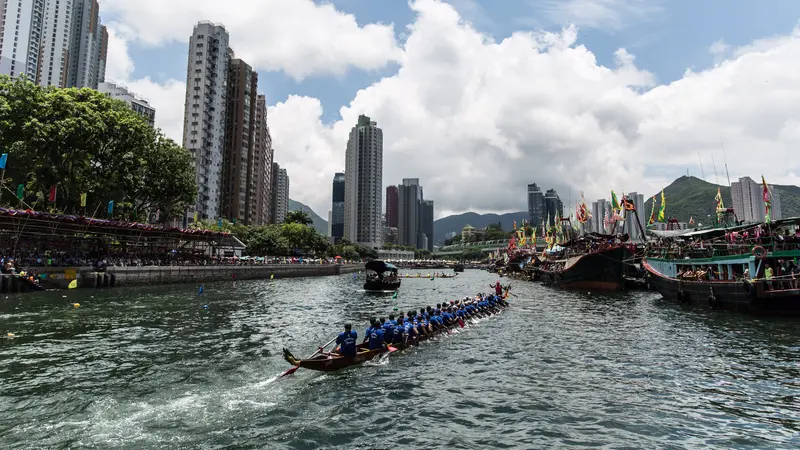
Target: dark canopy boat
[[381, 276], [329, 362], [592, 262], [458, 268]]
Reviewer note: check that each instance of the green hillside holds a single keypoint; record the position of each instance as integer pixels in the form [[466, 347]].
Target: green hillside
[[692, 197], [320, 224]]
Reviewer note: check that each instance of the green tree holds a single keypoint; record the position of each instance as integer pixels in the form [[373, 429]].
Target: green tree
[[82, 141], [298, 217]]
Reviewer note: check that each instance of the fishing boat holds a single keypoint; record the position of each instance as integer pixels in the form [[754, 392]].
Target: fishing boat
[[328, 362], [594, 262], [748, 268], [381, 276]]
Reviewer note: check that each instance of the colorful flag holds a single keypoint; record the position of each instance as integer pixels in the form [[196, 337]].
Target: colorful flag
[[51, 197], [652, 212], [110, 209], [718, 198], [691, 220], [663, 208], [83, 200], [614, 201], [3, 160], [767, 203], [20, 191]]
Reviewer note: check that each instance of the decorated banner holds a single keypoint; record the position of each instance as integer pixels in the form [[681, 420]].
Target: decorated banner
[[652, 212], [663, 208], [767, 196]]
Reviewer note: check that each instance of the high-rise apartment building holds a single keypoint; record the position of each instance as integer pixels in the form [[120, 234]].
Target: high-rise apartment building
[[599, 210], [54, 53], [204, 112], [536, 205], [631, 227], [138, 104], [337, 208], [409, 202], [280, 193], [391, 206], [748, 201], [262, 164], [239, 194], [102, 54], [21, 37], [553, 205], [426, 224], [85, 45], [364, 184]]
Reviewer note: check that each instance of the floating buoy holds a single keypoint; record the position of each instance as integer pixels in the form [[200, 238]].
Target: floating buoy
[[76, 305], [271, 276], [204, 306], [11, 335]]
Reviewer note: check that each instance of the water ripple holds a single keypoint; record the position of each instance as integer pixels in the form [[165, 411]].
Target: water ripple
[[149, 368]]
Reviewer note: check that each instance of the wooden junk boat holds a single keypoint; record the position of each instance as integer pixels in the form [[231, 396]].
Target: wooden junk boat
[[381, 276], [726, 268], [593, 262], [329, 362]]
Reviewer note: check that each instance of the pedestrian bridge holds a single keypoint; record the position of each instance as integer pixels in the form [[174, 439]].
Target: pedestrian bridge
[[484, 246]]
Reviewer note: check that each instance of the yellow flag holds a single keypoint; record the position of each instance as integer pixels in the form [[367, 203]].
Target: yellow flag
[[73, 284], [83, 200]]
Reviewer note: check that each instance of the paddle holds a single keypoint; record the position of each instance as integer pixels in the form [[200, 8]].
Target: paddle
[[319, 350]]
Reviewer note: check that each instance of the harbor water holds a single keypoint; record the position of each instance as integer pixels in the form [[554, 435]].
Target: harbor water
[[151, 367]]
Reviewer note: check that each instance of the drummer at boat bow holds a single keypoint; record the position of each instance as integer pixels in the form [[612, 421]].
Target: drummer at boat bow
[[346, 341]]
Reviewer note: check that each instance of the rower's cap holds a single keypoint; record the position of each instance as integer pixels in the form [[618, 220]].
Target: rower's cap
[[347, 326]]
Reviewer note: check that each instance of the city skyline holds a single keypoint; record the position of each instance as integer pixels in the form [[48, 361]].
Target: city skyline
[[310, 122]]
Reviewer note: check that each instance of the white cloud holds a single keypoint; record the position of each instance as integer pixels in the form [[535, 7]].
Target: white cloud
[[477, 120], [607, 14], [297, 36]]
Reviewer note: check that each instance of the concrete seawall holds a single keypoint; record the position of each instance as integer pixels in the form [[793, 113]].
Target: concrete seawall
[[60, 277]]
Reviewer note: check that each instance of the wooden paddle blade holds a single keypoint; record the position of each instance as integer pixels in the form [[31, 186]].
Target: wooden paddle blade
[[461, 323], [393, 349], [290, 371]]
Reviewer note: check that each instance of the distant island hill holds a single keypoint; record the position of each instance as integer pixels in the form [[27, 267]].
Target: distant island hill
[[687, 197]]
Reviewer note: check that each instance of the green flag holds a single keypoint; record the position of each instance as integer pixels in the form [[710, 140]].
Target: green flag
[[20, 191], [394, 297]]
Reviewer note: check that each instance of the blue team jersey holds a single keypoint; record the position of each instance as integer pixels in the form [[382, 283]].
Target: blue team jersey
[[376, 339], [397, 337], [388, 331], [347, 343]]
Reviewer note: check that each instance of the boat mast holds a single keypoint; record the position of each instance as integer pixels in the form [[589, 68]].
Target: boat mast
[[724, 160], [715, 168], [703, 172]]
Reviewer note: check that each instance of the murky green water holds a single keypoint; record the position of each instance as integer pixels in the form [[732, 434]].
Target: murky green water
[[149, 368]]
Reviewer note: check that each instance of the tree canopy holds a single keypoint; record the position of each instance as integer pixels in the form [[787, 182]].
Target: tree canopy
[[82, 141], [300, 217]]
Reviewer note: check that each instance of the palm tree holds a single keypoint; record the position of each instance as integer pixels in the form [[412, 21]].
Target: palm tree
[[298, 217]]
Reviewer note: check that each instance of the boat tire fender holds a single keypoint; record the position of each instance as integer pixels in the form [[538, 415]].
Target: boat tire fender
[[681, 296], [759, 252], [746, 286], [712, 301]]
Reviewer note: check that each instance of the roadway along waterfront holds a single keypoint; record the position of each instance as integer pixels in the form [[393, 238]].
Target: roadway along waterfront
[[150, 368]]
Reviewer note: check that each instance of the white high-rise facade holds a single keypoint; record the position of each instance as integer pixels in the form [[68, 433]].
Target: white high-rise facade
[[364, 184], [138, 104], [55, 47], [280, 193], [748, 201], [20, 37], [205, 113]]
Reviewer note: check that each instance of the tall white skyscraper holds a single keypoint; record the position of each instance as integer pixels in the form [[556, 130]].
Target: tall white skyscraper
[[138, 104], [748, 201], [56, 37], [363, 184], [204, 112], [21, 37]]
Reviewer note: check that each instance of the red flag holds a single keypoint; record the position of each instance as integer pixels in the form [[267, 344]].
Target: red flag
[[52, 197]]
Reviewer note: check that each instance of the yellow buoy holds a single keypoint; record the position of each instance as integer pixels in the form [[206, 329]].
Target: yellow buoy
[[10, 335], [76, 305], [271, 276]]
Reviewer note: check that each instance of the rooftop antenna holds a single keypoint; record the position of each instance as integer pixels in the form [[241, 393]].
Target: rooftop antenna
[[715, 167], [703, 172], [726, 164]]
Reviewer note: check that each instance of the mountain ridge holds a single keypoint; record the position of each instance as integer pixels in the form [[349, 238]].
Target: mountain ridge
[[319, 224]]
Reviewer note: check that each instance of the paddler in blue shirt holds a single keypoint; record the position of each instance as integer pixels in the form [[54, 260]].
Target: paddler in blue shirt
[[388, 329], [346, 341], [376, 337], [398, 336], [368, 331]]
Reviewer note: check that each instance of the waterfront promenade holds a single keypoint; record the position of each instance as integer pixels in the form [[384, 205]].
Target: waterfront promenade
[[89, 277]]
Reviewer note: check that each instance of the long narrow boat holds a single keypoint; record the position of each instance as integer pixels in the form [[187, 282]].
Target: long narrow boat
[[329, 362]]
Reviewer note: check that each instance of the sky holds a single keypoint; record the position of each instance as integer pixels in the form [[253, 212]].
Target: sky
[[479, 98]]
